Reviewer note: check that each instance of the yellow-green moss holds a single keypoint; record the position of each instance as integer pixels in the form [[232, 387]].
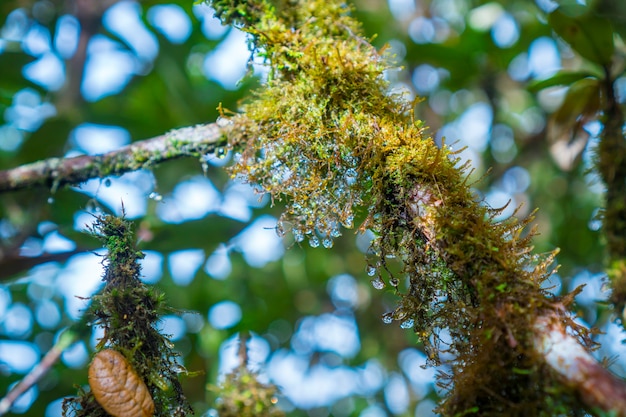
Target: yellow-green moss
[[326, 135]]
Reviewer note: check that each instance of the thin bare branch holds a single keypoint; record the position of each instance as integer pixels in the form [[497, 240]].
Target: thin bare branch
[[53, 355]]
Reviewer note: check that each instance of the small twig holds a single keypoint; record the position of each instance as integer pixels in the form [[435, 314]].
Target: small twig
[[56, 172], [65, 340], [242, 352]]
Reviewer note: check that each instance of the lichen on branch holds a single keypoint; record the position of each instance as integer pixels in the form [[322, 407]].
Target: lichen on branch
[[326, 135]]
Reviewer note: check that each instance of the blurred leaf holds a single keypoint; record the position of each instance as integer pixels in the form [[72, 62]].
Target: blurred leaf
[[205, 233], [589, 35], [615, 11], [11, 64], [582, 102], [566, 131], [565, 78], [47, 141]]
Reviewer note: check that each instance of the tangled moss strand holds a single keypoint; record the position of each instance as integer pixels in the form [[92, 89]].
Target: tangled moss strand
[[128, 311]]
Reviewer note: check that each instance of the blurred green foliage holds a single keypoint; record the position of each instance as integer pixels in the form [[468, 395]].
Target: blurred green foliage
[[470, 64]]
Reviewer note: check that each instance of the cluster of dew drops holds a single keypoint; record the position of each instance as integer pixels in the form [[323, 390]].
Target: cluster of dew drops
[[321, 233], [377, 281], [319, 220]]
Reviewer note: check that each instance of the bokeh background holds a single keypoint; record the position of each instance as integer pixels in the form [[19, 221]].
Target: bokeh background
[[88, 76]]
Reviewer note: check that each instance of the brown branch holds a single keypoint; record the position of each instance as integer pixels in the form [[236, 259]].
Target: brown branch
[[57, 172], [595, 386], [53, 355]]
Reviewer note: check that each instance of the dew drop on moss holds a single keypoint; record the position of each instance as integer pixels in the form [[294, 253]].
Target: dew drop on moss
[[407, 324], [155, 196], [378, 283], [350, 176], [298, 236], [348, 222]]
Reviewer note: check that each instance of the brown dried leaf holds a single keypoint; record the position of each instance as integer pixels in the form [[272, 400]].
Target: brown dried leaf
[[116, 386]]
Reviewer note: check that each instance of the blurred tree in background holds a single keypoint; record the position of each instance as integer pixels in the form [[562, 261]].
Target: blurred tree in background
[[86, 77]]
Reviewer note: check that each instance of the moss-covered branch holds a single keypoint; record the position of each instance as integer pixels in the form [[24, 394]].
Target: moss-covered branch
[[56, 172], [326, 135], [611, 163], [135, 371]]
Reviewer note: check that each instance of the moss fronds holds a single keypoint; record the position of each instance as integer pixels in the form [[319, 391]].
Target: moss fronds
[[128, 311], [326, 135], [241, 394]]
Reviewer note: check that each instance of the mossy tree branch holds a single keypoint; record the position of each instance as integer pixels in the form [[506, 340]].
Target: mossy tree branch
[[326, 135], [57, 172], [611, 163]]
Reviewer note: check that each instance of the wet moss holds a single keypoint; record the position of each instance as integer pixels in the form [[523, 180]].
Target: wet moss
[[128, 311], [326, 136]]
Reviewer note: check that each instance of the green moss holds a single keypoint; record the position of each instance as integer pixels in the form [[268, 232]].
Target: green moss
[[241, 394], [128, 311], [326, 136]]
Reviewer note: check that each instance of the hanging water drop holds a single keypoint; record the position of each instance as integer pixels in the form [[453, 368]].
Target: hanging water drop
[[371, 270], [314, 241], [350, 176], [298, 236], [328, 243], [378, 283], [387, 318], [394, 282], [407, 324], [155, 196], [348, 221]]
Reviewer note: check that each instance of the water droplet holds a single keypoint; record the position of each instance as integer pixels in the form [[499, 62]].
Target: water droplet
[[351, 176], [378, 283], [328, 243], [298, 236], [155, 196], [348, 221], [394, 282], [314, 241], [335, 232], [50, 200], [407, 324], [387, 318], [371, 270], [107, 182]]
